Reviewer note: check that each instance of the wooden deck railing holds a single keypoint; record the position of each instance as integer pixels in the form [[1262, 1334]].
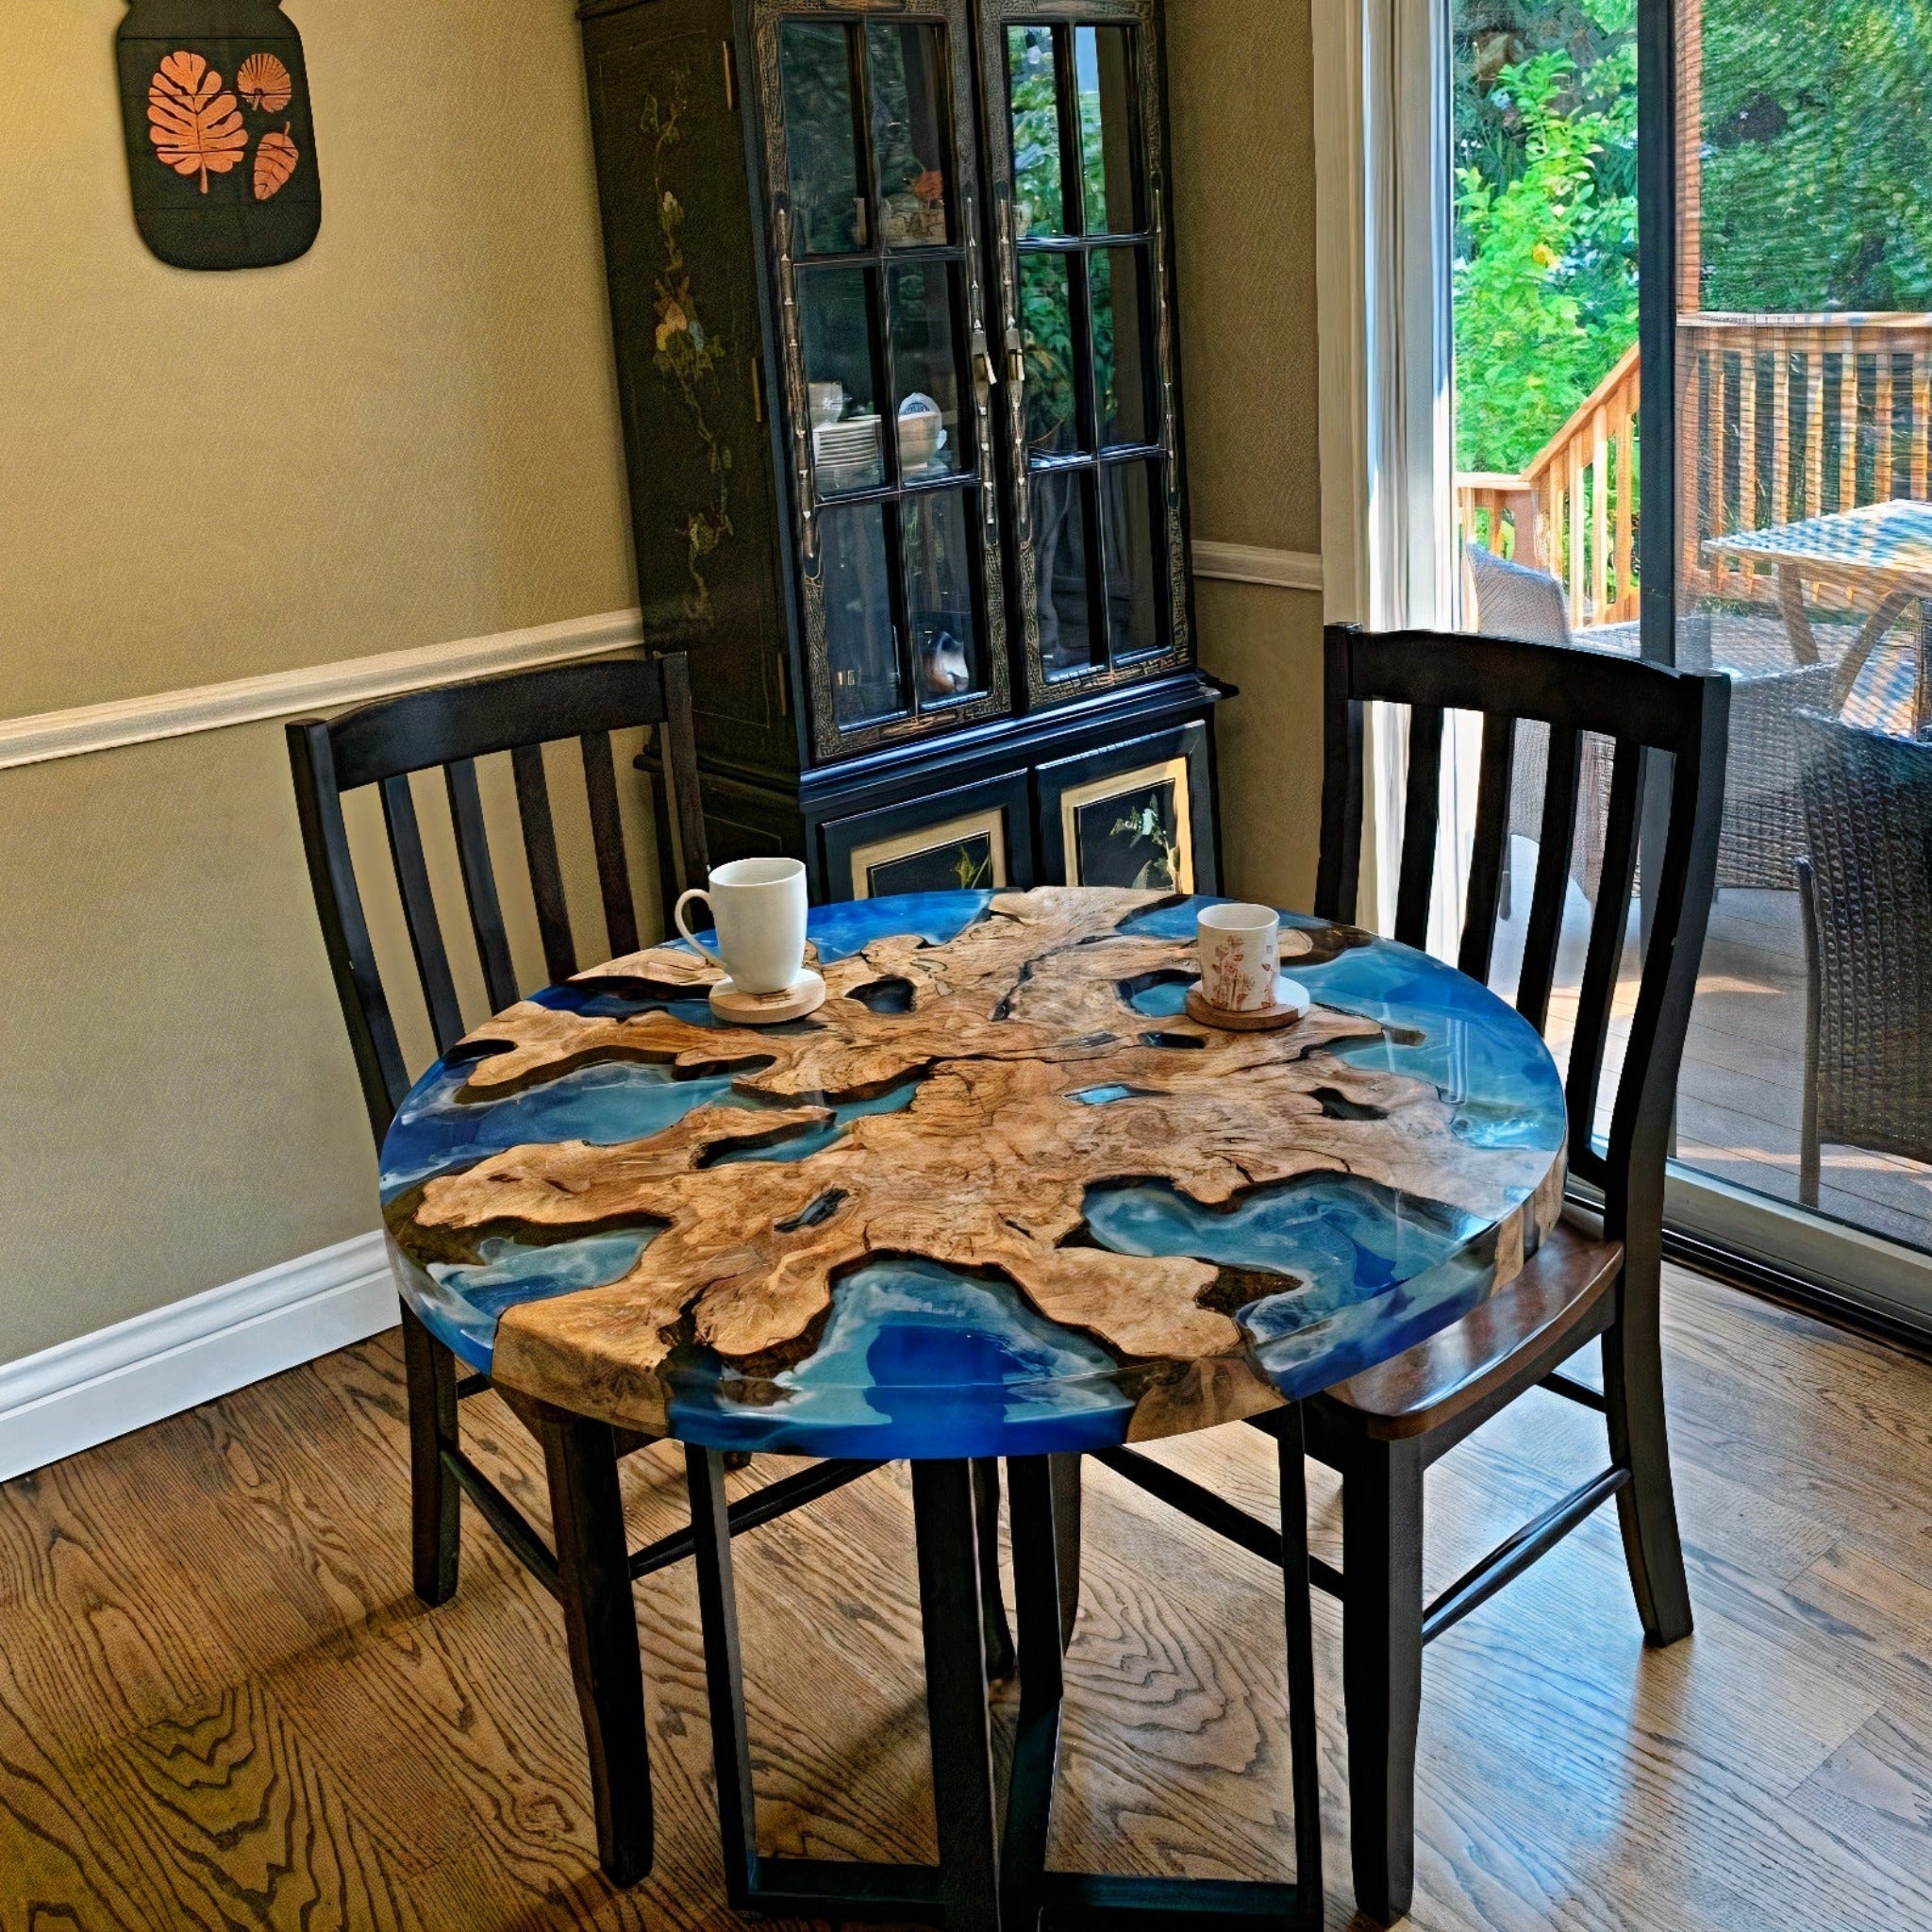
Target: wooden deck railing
[[1572, 511], [1791, 416], [1779, 417]]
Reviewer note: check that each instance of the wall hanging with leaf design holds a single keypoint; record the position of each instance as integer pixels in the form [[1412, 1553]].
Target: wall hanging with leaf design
[[220, 143]]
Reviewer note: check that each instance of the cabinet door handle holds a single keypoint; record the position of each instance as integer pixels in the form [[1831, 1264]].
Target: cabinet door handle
[[1016, 365], [984, 379], [730, 77], [794, 384], [757, 391]]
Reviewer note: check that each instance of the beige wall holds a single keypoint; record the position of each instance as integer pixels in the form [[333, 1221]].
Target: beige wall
[[177, 1105], [407, 436], [1244, 233], [410, 436]]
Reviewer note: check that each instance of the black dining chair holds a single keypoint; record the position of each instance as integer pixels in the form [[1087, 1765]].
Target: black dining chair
[[1598, 1273], [450, 728]]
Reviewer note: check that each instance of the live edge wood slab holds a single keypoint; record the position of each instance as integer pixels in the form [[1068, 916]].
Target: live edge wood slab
[[960, 1107]]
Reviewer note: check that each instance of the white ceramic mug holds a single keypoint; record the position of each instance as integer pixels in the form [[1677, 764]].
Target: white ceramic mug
[[759, 906], [1241, 957]]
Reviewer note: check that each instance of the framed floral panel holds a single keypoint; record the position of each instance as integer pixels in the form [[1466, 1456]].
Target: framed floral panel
[[1138, 814], [1131, 828], [963, 854], [974, 837]]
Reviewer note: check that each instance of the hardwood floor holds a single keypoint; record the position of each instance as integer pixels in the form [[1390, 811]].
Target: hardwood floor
[[221, 1706]]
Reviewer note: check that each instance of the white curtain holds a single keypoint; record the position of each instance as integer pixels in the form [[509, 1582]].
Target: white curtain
[[1382, 268]]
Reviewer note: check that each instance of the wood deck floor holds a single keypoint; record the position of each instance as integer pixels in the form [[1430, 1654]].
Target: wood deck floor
[[1741, 1097], [1743, 1091], [221, 1706]]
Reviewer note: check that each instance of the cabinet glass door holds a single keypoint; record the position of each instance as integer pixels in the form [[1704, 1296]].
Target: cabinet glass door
[[1080, 214], [888, 381]]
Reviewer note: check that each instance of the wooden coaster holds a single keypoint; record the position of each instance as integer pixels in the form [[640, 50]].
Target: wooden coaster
[[805, 994], [1291, 1003]]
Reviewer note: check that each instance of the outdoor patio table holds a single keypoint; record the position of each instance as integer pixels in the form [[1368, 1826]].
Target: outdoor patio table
[[999, 1197], [1880, 554]]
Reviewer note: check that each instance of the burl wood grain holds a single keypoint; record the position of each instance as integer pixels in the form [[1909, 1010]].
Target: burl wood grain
[[988, 1167]]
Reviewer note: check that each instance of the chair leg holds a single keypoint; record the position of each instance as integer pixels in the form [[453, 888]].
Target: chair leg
[[1807, 1129], [1064, 1474], [1646, 1505], [1382, 1666], [1305, 1744], [992, 1605], [435, 1502], [600, 1621]]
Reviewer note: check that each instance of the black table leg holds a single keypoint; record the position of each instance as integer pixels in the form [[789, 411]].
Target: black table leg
[[1089, 1898], [944, 1514], [993, 1610], [723, 1672], [962, 1891], [1037, 1489], [1064, 1472], [991, 1874]]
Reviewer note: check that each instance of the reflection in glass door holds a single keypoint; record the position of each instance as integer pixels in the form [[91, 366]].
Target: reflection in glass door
[[885, 333], [1804, 570], [1080, 247], [1544, 301], [1789, 315]]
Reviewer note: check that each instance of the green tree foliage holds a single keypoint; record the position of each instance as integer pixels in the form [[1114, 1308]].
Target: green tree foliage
[[1817, 154], [1814, 172], [1546, 245]]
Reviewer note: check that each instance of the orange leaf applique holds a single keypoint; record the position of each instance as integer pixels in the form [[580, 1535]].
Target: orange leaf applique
[[264, 83], [195, 127], [275, 156]]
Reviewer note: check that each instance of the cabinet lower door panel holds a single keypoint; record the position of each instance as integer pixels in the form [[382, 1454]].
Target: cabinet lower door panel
[[978, 837]]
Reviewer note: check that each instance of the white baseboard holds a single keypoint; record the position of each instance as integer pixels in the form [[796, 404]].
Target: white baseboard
[[96, 1387], [43, 735]]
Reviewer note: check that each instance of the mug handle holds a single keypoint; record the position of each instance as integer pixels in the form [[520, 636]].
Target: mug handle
[[697, 945]]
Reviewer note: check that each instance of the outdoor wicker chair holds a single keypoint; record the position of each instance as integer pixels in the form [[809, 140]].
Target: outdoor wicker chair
[[1865, 886], [1514, 601], [1763, 826]]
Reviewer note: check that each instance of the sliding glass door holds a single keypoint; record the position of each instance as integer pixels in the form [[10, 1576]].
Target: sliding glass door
[[1803, 393], [1704, 227]]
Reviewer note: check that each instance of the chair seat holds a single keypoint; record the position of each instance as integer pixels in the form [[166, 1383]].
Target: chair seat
[[1562, 1299]]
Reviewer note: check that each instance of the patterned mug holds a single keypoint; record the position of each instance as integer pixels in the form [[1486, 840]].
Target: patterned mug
[[1241, 957]]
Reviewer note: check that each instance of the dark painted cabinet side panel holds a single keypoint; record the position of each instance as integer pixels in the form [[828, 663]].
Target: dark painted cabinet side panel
[[683, 267]]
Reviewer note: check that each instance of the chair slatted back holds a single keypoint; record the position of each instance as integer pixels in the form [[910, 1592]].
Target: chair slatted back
[[1650, 713], [451, 728]]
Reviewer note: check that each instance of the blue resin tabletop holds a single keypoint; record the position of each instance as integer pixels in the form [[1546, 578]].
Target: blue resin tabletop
[[998, 1196]]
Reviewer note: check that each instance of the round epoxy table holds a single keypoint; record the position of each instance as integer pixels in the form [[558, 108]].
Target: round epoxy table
[[999, 1197]]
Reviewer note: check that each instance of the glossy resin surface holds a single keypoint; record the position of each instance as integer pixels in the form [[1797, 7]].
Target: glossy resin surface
[[1000, 1195]]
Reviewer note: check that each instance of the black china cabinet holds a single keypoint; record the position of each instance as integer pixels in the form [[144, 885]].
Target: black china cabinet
[[892, 288]]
